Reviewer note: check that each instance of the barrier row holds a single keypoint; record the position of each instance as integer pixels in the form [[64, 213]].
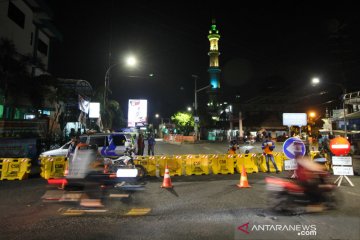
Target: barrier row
[[201, 164], [198, 164], [14, 168]]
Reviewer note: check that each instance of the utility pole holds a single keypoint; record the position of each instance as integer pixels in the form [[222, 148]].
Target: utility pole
[[196, 117]]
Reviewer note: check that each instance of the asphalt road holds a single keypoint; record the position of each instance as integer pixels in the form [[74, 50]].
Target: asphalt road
[[198, 207]]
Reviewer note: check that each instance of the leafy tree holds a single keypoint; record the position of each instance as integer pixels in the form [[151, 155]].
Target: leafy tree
[[184, 121]]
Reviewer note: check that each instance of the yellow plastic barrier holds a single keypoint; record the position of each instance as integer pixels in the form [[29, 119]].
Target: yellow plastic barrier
[[327, 164], [148, 162], [197, 165], [53, 167], [15, 168], [279, 160], [247, 160], [174, 165], [222, 164]]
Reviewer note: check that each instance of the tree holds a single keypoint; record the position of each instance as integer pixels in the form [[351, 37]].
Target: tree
[[112, 117], [184, 122]]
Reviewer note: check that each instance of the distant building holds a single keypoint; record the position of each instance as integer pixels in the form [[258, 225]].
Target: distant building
[[27, 23]]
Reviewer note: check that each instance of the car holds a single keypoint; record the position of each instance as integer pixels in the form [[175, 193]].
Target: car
[[109, 144], [62, 151], [118, 144]]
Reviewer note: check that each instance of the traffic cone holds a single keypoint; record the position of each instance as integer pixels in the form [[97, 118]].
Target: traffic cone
[[243, 179], [167, 180]]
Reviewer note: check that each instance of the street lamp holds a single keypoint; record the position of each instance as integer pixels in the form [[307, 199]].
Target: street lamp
[[196, 119], [315, 81], [130, 61], [189, 109]]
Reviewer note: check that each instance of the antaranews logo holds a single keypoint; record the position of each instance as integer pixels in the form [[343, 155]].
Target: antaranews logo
[[302, 230], [244, 228]]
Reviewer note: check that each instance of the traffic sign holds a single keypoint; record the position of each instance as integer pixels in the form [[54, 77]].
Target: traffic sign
[[339, 146], [294, 147]]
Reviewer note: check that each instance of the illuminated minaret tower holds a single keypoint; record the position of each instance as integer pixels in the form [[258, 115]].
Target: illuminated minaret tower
[[214, 69]]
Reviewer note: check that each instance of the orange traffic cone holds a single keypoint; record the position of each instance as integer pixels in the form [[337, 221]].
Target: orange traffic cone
[[167, 180], [243, 179]]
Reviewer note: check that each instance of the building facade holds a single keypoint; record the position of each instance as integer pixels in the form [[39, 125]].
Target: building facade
[[28, 24]]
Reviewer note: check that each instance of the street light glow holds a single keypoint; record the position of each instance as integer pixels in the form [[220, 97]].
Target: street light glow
[[189, 109], [131, 61], [312, 114], [315, 81], [157, 115]]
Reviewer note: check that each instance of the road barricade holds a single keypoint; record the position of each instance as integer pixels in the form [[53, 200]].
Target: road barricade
[[174, 165], [279, 160], [148, 162], [197, 165], [222, 164], [249, 161], [316, 154], [53, 167], [14, 168]]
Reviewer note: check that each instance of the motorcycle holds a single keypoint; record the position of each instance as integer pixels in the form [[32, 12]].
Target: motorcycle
[[124, 166], [292, 197]]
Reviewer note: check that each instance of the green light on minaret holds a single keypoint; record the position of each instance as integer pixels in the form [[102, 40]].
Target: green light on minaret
[[213, 33]]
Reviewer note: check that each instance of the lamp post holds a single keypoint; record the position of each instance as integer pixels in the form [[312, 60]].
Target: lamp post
[[195, 104], [130, 61], [316, 81]]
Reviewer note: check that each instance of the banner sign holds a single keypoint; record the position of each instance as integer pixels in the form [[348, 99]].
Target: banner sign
[[24, 128], [290, 164], [294, 119], [343, 171], [137, 112], [342, 161]]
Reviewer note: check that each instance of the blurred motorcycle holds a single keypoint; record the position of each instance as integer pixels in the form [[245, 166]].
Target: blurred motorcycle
[[293, 197]]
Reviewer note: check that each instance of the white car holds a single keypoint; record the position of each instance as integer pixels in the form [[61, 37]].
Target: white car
[[62, 151]]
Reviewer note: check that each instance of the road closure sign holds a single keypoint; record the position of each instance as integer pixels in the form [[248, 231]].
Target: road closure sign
[[341, 161], [290, 164], [339, 146], [343, 171]]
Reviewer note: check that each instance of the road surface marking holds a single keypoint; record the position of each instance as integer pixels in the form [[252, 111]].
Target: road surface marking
[[138, 211], [78, 212], [207, 148], [116, 195]]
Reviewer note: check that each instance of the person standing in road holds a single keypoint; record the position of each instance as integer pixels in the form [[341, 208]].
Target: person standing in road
[[141, 144], [233, 147], [151, 144], [72, 147], [268, 147]]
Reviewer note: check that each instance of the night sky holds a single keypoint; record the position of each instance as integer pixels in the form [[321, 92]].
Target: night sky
[[262, 47]]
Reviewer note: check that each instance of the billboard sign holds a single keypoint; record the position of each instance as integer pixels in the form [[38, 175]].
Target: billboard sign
[[94, 111], [137, 112], [294, 119]]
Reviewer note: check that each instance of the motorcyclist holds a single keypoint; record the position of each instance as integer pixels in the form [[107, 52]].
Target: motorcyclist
[[311, 175]]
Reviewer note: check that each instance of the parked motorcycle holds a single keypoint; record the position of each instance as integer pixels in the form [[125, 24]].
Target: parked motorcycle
[[291, 196], [124, 166]]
